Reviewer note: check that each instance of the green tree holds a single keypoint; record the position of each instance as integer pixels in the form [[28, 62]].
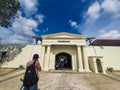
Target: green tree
[[8, 11]]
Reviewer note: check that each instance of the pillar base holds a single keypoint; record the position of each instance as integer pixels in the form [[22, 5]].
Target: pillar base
[[73, 69], [104, 72], [81, 70], [45, 69], [96, 72], [87, 70]]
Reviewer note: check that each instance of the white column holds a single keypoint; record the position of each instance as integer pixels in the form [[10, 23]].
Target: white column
[[95, 65], [42, 56], [80, 64], [73, 62], [47, 59], [85, 60], [53, 62], [102, 64]]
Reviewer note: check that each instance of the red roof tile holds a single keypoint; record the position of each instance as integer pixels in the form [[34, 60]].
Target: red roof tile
[[106, 42]]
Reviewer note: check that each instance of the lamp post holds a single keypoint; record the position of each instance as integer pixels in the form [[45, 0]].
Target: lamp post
[[37, 39], [90, 39]]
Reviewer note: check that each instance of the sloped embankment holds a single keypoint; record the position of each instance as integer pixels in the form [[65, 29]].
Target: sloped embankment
[[8, 52]]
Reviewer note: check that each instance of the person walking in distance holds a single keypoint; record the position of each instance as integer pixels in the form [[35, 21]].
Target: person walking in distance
[[31, 76]]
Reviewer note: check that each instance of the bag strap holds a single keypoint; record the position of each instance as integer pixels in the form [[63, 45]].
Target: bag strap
[[34, 63]]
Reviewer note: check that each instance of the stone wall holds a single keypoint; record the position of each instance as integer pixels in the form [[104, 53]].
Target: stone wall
[[9, 52], [26, 53]]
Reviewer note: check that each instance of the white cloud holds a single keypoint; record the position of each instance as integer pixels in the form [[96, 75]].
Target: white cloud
[[102, 31], [40, 18], [46, 30], [73, 24], [4, 34], [17, 39], [23, 30], [113, 34], [24, 27], [93, 11], [111, 6], [103, 16], [107, 7], [29, 6]]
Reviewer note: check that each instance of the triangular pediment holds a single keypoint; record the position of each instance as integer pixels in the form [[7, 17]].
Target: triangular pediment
[[63, 35]]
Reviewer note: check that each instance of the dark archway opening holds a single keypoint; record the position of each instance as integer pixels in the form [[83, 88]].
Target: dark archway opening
[[63, 61], [99, 66]]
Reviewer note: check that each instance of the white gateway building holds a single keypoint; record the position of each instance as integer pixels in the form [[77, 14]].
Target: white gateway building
[[74, 51]]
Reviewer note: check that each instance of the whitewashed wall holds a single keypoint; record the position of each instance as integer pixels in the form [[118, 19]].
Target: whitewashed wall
[[110, 54], [23, 57]]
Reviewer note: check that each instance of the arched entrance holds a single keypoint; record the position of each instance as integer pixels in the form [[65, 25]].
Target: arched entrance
[[63, 61], [99, 66]]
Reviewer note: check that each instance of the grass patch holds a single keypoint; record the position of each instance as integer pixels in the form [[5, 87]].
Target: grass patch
[[7, 70]]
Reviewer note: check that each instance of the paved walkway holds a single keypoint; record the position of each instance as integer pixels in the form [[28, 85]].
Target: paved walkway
[[11, 75], [11, 81], [63, 81]]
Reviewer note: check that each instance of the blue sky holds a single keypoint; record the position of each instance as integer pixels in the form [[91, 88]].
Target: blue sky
[[91, 18]]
